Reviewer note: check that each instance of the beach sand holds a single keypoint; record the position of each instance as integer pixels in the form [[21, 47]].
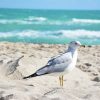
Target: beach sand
[[83, 83]]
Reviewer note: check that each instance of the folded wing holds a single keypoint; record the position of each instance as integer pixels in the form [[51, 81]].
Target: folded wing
[[56, 64]]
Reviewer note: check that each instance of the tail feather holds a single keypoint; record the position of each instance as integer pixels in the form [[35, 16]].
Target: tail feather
[[41, 71], [30, 76]]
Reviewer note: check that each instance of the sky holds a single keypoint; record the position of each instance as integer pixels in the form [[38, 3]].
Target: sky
[[52, 4]]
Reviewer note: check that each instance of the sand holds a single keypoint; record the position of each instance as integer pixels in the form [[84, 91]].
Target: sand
[[83, 83]]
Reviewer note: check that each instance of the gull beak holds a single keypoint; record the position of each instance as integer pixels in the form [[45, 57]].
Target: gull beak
[[82, 46]]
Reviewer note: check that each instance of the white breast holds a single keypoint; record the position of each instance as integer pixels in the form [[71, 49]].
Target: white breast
[[73, 64]]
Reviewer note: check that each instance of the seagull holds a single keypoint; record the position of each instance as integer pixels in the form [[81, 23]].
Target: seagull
[[60, 64]]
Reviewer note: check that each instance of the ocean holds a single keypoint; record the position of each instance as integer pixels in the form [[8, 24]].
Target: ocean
[[50, 26]]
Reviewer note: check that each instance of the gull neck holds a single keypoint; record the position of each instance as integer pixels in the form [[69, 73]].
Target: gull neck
[[72, 50]]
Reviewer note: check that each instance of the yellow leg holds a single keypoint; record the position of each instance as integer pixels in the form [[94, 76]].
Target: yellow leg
[[61, 80]]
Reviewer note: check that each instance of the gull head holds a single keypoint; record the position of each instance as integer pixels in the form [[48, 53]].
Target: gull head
[[74, 44]]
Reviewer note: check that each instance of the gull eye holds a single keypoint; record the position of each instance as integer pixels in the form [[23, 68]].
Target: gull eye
[[75, 43]]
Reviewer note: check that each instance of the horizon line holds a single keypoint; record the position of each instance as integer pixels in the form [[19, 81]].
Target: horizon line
[[47, 9]]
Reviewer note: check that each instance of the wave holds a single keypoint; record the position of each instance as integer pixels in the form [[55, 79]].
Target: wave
[[29, 20], [27, 33], [42, 20], [37, 21], [80, 33], [46, 21], [32, 18], [91, 21], [14, 21], [52, 34]]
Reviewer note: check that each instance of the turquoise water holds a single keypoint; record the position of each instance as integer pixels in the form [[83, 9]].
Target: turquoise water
[[49, 26]]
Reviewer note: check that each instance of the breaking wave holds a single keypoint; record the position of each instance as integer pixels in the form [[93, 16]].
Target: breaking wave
[[32, 18], [29, 20], [46, 21], [14, 21], [91, 21], [59, 33]]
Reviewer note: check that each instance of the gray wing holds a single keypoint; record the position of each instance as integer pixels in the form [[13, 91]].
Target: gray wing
[[56, 64], [65, 57]]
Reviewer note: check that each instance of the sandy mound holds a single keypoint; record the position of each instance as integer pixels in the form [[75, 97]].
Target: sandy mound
[[8, 68]]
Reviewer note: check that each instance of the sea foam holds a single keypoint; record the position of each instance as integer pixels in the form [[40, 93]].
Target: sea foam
[[59, 33], [33, 18], [14, 21], [29, 20], [95, 21]]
